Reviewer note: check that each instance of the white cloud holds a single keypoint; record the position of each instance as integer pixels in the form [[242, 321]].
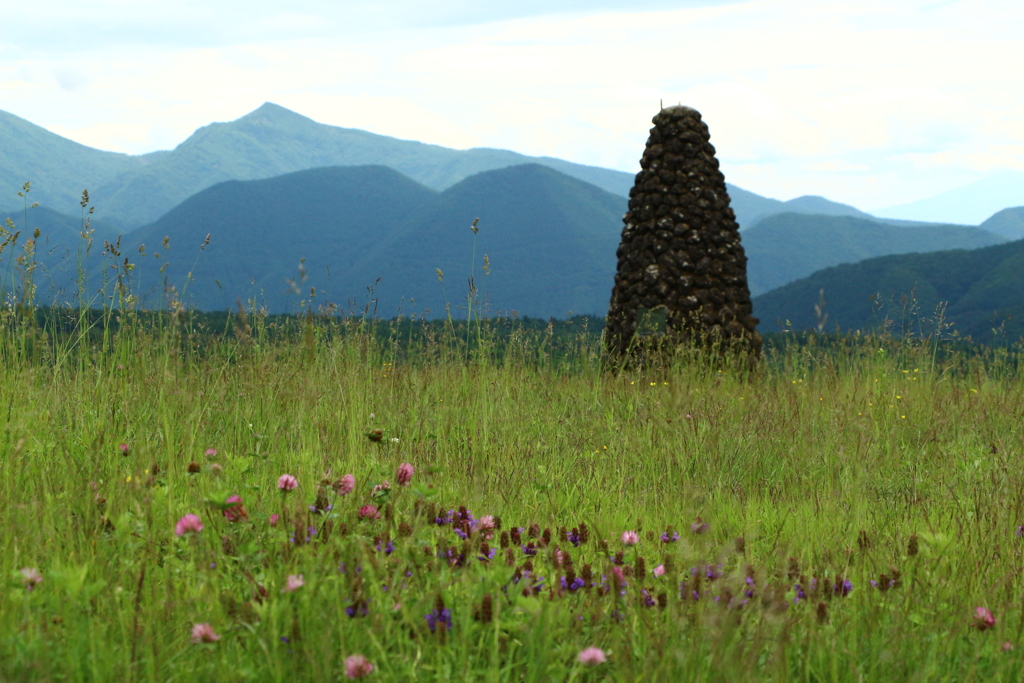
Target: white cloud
[[870, 102]]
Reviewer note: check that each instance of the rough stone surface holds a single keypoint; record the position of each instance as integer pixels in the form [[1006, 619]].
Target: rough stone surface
[[680, 248]]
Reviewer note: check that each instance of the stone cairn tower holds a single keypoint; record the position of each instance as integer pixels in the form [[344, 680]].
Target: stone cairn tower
[[682, 275]]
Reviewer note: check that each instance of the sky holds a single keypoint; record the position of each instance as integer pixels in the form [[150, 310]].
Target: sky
[[868, 102]]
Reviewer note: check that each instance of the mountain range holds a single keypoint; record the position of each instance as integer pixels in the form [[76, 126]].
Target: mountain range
[[550, 241], [785, 247], [299, 211], [131, 191], [981, 293]]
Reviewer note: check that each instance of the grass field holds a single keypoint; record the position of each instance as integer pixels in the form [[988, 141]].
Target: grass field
[[838, 513]]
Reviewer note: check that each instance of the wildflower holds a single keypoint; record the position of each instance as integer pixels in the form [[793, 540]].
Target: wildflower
[[619, 580], [375, 435], [441, 617], [369, 512], [287, 482], [31, 578], [572, 586], [1006, 646], [360, 609], [188, 524], [699, 526], [211, 452], [345, 485], [659, 570], [124, 449], [216, 468], [357, 666], [404, 474], [983, 619], [380, 489], [204, 633], [194, 468], [272, 520], [669, 536], [293, 583], [630, 537], [1020, 532], [486, 526], [236, 512], [592, 656]]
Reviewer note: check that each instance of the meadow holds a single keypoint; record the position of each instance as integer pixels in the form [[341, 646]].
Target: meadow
[[328, 498]]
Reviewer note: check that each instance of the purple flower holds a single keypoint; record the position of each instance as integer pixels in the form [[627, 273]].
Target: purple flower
[[360, 609], [443, 617], [576, 584], [666, 538], [445, 518]]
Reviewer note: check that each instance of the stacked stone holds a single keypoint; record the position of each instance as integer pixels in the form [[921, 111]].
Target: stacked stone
[[681, 246]]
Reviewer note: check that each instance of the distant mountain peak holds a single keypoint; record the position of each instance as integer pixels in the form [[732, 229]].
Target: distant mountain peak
[[1009, 223], [268, 111]]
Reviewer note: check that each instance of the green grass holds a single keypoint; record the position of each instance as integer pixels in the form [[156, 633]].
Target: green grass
[[824, 460]]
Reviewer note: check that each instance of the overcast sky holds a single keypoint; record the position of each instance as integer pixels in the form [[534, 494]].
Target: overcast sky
[[869, 102]]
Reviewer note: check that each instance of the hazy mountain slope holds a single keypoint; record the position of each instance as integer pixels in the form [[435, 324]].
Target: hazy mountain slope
[[550, 240], [786, 247], [1009, 223], [970, 204], [752, 208], [812, 204], [984, 288], [56, 227], [261, 230], [58, 168]]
